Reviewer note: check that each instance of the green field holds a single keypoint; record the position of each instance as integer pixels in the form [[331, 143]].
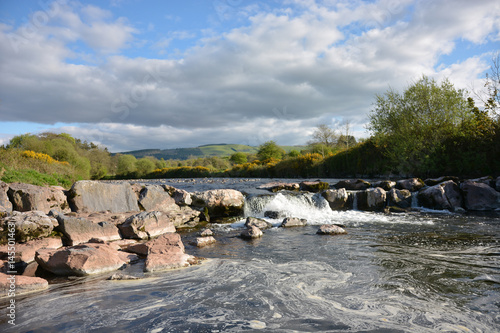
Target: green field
[[221, 150]]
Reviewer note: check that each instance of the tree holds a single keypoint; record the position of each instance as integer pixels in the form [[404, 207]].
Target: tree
[[324, 135], [126, 165], [270, 150], [144, 166], [412, 126], [238, 158]]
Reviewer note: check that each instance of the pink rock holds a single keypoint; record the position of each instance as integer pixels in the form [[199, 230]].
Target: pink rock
[[161, 262], [165, 244], [26, 252], [147, 225], [251, 232], [26, 197], [204, 241], [84, 259], [23, 284]]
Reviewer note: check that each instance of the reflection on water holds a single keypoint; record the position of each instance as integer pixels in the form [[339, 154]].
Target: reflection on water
[[399, 273]]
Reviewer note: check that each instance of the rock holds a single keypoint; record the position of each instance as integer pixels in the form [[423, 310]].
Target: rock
[[181, 197], [80, 260], [435, 181], [127, 257], [337, 199], [170, 243], [259, 223], [95, 196], [412, 184], [31, 269], [26, 197], [154, 198], [184, 217], [220, 203], [479, 196], [29, 225], [21, 284], [251, 233], [80, 230], [289, 222], [331, 229], [385, 184], [26, 252], [121, 277], [485, 180], [497, 183], [372, 199], [274, 214], [353, 184], [316, 186], [204, 241], [164, 252], [399, 198], [5, 204], [146, 225], [278, 186], [206, 233]]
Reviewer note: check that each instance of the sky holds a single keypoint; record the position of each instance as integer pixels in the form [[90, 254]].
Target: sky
[[131, 74]]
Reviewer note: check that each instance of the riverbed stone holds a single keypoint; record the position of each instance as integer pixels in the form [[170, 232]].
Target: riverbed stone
[[289, 222], [251, 232], [435, 181], [220, 203], [80, 260], [372, 199], [259, 223], [181, 197], [95, 196], [23, 284], [5, 204], [279, 186], [25, 252], [78, 230], [411, 184], [155, 198], [387, 185], [26, 197], [399, 198], [204, 241], [337, 199], [29, 225], [479, 196], [146, 225], [353, 184], [314, 186], [331, 229]]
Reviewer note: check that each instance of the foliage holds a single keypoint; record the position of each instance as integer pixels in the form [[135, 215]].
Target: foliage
[[269, 151], [239, 158]]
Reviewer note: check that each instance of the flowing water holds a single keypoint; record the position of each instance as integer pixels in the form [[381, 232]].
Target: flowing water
[[417, 272]]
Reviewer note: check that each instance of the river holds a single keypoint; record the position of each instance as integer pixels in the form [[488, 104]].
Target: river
[[422, 271]]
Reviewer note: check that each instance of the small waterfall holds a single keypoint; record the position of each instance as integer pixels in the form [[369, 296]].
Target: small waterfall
[[310, 206], [355, 201], [414, 199]]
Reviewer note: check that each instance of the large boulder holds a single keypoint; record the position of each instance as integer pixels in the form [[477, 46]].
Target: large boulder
[[20, 284], [155, 198], [316, 186], [181, 197], [337, 199], [385, 184], [479, 196], [26, 197], [5, 204], [353, 184], [28, 225], [80, 260], [95, 196], [445, 195], [220, 203], [372, 199], [78, 230], [256, 222], [290, 222], [435, 181], [25, 252], [146, 225], [399, 198], [411, 184], [164, 252]]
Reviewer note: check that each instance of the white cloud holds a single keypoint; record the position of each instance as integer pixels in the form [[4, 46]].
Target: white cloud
[[316, 61]]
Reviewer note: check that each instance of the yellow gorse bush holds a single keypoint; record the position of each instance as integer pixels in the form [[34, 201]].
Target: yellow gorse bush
[[42, 157]]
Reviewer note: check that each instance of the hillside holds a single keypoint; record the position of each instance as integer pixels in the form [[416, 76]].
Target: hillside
[[221, 150]]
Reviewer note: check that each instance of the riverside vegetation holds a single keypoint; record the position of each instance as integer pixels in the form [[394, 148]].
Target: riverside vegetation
[[429, 130]]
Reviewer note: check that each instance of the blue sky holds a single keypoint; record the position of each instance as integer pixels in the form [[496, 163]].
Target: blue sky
[[132, 74]]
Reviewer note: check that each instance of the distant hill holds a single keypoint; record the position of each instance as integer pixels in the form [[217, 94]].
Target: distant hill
[[220, 150]]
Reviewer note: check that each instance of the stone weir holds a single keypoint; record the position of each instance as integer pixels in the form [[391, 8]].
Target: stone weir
[[98, 227]]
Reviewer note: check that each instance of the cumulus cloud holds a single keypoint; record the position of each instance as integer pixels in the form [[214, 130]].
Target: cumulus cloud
[[318, 61]]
